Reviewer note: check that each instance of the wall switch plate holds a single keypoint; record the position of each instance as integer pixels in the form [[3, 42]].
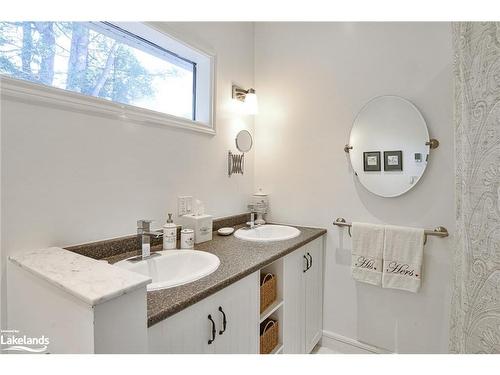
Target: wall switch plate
[[184, 205]]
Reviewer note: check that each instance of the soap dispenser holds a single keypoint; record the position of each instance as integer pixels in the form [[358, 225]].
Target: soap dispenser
[[260, 203], [169, 234]]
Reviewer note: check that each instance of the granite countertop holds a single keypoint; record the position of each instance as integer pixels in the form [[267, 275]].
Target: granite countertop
[[238, 258], [89, 280]]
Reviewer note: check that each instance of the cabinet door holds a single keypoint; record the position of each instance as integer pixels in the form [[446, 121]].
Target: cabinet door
[[294, 307], [314, 295], [186, 332], [240, 306]]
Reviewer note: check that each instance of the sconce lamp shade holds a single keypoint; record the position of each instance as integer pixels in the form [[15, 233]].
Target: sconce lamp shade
[[247, 97], [251, 103]]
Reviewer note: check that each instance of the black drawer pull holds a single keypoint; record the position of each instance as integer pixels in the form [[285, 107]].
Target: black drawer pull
[[307, 264], [224, 321], [213, 330], [311, 264]]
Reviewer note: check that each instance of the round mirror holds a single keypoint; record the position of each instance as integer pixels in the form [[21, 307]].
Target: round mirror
[[388, 147], [244, 141]]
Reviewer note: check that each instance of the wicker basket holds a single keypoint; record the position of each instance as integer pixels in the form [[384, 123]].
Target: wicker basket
[[269, 334], [267, 291]]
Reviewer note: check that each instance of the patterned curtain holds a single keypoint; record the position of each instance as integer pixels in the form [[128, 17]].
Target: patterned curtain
[[475, 315]]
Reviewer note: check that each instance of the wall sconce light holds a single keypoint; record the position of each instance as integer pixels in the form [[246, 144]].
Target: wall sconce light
[[248, 97]]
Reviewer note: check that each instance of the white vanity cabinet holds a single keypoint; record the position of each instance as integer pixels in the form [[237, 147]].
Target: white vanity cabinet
[[298, 308], [191, 330], [303, 296]]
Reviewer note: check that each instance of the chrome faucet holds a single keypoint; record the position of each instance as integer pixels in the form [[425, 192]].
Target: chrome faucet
[[251, 224], [144, 233]]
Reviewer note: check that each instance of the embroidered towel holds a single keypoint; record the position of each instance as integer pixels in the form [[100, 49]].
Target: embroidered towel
[[403, 252], [367, 250]]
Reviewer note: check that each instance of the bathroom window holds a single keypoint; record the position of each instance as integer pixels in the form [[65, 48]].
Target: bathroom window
[[126, 63]]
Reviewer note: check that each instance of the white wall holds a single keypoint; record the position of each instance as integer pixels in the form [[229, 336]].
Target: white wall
[[69, 178], [312, 79]]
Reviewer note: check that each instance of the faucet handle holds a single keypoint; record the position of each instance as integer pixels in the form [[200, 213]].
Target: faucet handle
[[144, 224]]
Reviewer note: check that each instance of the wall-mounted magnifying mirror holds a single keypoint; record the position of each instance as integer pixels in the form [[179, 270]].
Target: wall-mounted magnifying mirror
[[389, 146], [244, 141], [236, 163]]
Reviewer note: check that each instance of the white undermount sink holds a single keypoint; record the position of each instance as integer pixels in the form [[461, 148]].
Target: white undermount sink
[[267, 233], [173, 267]]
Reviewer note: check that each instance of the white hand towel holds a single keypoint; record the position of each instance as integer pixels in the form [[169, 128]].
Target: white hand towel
[[403, 253], [367, 250]]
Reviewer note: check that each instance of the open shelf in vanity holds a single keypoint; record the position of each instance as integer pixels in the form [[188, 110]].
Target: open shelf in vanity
[[275, 306], [275, 310]]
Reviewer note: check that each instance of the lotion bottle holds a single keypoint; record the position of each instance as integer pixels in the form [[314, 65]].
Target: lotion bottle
[[169, 234]]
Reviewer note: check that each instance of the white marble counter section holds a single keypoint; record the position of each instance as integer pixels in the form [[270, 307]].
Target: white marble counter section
[[90, 280]]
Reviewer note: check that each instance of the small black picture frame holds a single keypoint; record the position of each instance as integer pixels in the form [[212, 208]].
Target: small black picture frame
[[393, 161], [371, 161]]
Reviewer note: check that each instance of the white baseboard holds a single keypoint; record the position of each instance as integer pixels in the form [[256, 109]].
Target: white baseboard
[[346, 345]]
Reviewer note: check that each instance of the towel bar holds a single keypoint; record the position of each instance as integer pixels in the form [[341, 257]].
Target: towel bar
[[438, 231]]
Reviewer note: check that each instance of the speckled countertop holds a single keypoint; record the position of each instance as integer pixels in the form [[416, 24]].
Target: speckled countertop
[[238, 258]]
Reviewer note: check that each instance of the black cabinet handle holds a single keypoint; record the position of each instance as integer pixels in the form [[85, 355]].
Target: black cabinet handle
[[213, 330], [307, 264], [224, 321], [311, 264]]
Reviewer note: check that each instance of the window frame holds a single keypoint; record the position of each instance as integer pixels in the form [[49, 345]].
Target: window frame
[[204, 86]]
